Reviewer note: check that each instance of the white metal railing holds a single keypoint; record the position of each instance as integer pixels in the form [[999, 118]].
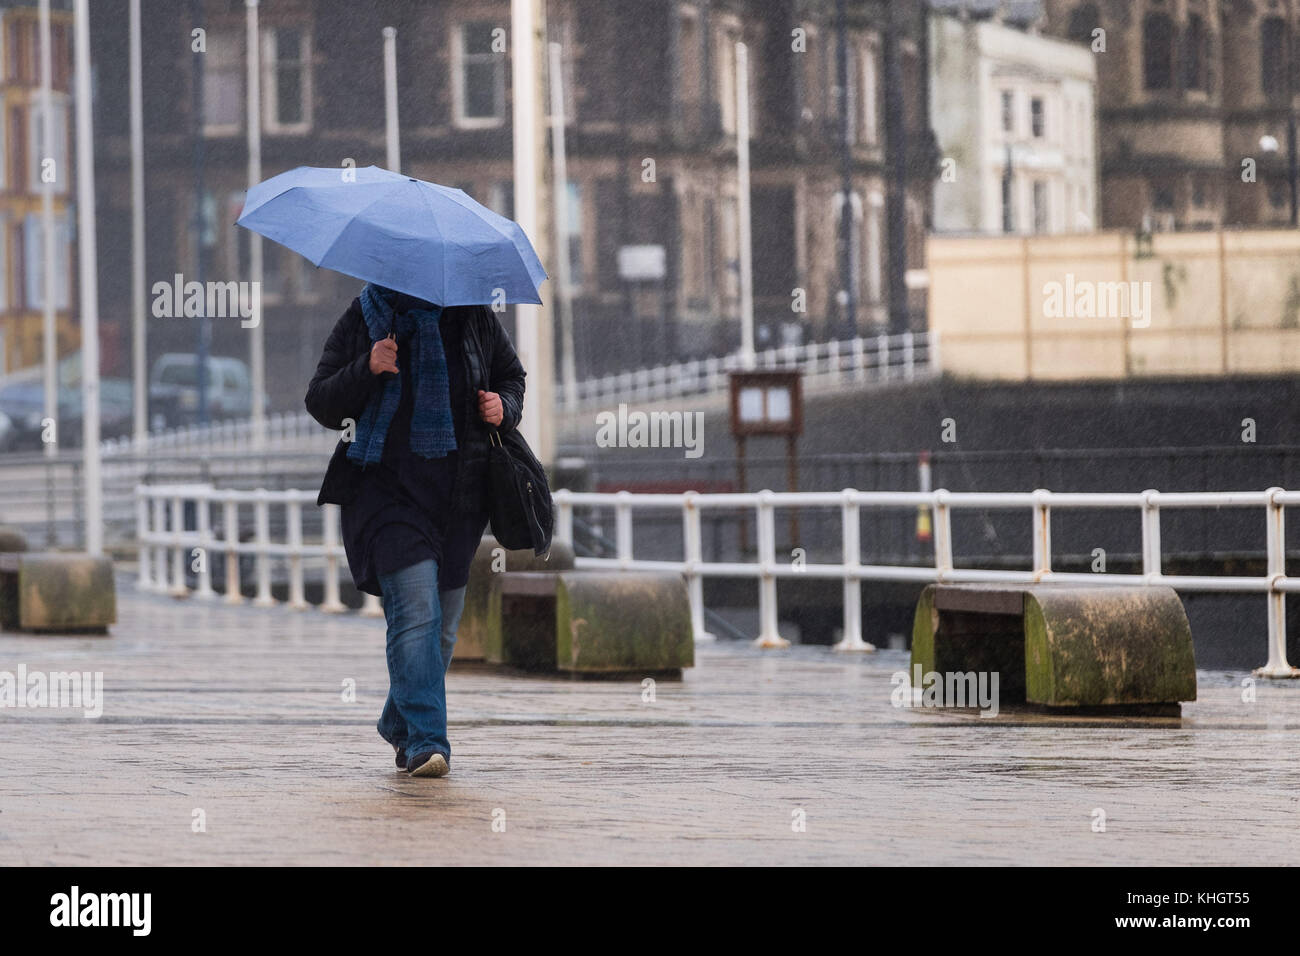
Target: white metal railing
[[233, 435], [905, 357], [167, 549], [164, 550]]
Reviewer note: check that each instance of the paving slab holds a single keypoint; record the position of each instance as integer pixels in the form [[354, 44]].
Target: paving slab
[[236, 716]]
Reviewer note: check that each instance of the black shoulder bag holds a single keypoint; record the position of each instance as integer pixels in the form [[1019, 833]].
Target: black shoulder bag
[[521, 511]]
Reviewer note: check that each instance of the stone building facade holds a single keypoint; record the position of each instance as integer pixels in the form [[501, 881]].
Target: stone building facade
[[1188, 89], [650, 109]]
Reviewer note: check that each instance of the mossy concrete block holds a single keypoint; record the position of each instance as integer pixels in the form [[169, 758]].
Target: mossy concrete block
[[12, 539], [57, 592], [490, 561], [594, 622], [925, 623], [972, 628], [1088, 647], [521, 620], [632, 622]]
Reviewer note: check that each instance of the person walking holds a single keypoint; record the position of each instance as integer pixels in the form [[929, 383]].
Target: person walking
[[417, 390]]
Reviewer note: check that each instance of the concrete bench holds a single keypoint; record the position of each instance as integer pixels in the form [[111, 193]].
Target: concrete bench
[[47, 591], [1060, 646], [489, 561], [590, 622]]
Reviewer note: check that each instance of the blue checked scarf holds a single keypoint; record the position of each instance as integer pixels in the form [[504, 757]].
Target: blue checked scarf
[[433, 433]]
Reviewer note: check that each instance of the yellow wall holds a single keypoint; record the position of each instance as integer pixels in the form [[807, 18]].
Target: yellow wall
[[1221, 302]]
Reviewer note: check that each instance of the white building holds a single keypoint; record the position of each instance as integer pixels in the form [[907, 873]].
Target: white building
[[1015, 117]]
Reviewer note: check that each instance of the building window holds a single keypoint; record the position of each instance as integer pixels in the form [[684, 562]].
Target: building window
[[1163, 199], [875, 273], [855, 246], [1008, 205], [1083, 20], [853, 105], [306, 276], [4, 170], [870, 121], [562, 32], [1037, 118], [58, 145], [286, 79], [22, 65], [4, 272], [1041, 218], [690, 74], [1273, 56], [575, 236], [1278, 191], [34, 261], [478, 76], [1008, 112], [238, 245], [1196, 54], [727, 38], [501, 198], [1158, 51], [223, 84], [696, 215]]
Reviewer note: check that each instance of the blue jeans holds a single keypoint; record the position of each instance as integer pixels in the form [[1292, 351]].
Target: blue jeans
[[422, 624]]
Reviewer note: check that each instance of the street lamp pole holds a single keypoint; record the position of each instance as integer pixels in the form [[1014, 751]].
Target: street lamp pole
[[257, 340], [49, 328], [850, 292], [88, 283]]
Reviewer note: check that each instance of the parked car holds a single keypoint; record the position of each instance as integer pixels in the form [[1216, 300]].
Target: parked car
[[8, 434], [23, 403], [22, 406], [174, 390]]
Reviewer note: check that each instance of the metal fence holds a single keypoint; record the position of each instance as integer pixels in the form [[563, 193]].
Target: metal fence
[[175, 548], [903, 357], [284, 430]]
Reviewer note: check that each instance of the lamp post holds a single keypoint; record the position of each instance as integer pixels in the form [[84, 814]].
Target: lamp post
[[87, 282]]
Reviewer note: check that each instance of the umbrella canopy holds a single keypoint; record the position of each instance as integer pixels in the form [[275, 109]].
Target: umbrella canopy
[[429, 241]]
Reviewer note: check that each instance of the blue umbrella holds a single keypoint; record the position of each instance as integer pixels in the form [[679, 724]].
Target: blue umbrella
[[429, 241]]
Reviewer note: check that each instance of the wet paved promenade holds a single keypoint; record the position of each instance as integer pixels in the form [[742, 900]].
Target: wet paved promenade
[[240, 713]]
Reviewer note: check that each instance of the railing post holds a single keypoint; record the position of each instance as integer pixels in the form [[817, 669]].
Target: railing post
[[177, 538], [563, 517], [297, 597], [833, 362], [160, 542], [852, 559], [1151, 559], [882, 356], [768, 635], [942, 534], [262, 544], [693, 542], [230, 513], [372, 607], [331, 604], [202, 504], [623, 526], [144, 581], [859, 359], [1275, 541], [1042, 534], [909, 356]]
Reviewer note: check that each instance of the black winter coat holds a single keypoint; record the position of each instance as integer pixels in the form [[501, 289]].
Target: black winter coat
[[343, 385]]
